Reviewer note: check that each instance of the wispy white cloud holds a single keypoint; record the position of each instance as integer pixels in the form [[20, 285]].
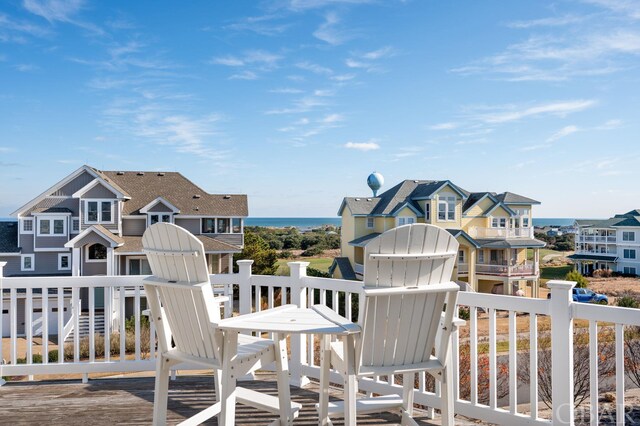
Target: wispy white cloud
[[610, 124], [26, 67], [244, 75], [370, 145], [565, 131], [368, 60], [18, 31], [286, 90], [630, 8], [444, 126], [267, 25], [64, 11], [262, 58], [332, 118], [330, 31], [512, 113], [301, 105], [302, 5], [314, 68], [343, 77], [379, 53], [555, 21], [407, 152]]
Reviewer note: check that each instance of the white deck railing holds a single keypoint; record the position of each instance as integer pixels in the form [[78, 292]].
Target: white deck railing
[[487, 366], [479, 232]]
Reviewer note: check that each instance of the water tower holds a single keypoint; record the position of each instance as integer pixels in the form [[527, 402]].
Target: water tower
[[375, 181]]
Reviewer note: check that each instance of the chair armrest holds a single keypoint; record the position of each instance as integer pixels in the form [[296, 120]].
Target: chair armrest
[[457, 322], [221, 299]]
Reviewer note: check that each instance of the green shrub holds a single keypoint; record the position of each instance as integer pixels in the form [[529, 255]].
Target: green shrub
[[312, 251], [285, 254], [313, 272], [463, 313], [581, 281], [628, 301]]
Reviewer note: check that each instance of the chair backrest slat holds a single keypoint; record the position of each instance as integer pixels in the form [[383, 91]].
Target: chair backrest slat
[[178, 261], [401, 329]]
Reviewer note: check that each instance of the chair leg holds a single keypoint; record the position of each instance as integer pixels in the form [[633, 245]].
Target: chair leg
[[446, 397], [282, 368], [350, 382], [325, 364], [228, 381], [407, 396], [217, 382], [161, 393]]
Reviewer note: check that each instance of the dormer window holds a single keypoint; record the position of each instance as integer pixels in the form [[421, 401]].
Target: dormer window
[[98, 211], [159, 217], [447, 208]]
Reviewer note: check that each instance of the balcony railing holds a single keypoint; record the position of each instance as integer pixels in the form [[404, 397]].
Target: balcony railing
[[504, 269], [596, 252], [500, 233], [476, 359], [595, 239]]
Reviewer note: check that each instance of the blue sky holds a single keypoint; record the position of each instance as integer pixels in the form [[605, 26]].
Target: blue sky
[[295, 102]]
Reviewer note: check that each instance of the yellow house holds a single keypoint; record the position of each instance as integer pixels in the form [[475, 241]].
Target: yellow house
[[494, 232]]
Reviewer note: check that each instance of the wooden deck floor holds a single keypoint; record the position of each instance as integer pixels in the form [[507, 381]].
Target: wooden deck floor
[[129, 401]]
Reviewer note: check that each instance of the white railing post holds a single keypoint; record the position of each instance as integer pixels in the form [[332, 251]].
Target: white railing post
[[2, 264], [244, 284], [561, 351], [298, 271]]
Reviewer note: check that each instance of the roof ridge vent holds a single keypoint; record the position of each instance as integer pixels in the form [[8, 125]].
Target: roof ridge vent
[[120, 173], [140, 173], [161, 174], [226, 197]]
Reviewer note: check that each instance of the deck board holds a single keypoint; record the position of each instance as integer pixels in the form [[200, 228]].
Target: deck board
[[129, 401]]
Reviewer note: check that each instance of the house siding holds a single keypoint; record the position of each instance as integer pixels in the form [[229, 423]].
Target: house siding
[[12, 267], [191, 225], [50, 243], [99, 191], [110, 226], [76, 184], [134, 227], [94, 268], [159, 207], [69, 203], [26, 243], [92, 238]]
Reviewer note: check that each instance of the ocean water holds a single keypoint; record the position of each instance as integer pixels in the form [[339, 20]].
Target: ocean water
[[297, 222], [553, 221]]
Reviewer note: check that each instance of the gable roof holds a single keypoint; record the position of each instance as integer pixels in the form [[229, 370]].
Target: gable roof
[[460, 233], [475, 198], [9, 237], [343, 264], [511, 198], [630, 219], [190, 199], [113, 239], [159, 200]]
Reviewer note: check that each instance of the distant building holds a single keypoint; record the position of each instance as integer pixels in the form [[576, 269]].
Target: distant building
[[612, 244], [494, 231]]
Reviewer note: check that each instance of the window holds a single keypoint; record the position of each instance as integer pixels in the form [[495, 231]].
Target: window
[[629, 270], [223, 226], [427, 211], [27, 226], [75, 224], [99, 212], [480, 256], [208, 226], [64, 262], [628, 236], [629, 253], [447, 208], [461, 256], [405, 221], [157, 217], [370, 221], [139, 267], [498, 222], [52, 226], [27, 262], [96, 253], [236, 225]]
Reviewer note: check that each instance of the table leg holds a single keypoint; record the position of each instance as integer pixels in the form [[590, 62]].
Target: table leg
[[229, 378], [350, 382], [325, 361], [282, 367]]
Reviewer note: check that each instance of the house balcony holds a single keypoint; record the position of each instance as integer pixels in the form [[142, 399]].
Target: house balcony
[[483, 351], [507, 269], [500, 233], [582, 238]]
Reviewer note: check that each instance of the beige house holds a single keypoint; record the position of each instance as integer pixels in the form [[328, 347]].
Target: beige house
[[495, 232]]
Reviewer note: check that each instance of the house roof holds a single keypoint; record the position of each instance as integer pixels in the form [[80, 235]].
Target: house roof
[[343, 264], [601, 257], [630, 219], [510, 243], [190, 199], [460, 233], [511, 198], [362, 241], [9, 237], [113, 239], [133, 245], [51, 210]]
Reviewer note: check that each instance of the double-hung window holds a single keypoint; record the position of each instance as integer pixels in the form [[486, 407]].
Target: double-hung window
[[52, 226], [447, 208], [370, 222], [629, 270], [405, 220], [427, 211], [64, 262], [98, 211], [498, 222], [27, 262], [628, 236], [629, 253]]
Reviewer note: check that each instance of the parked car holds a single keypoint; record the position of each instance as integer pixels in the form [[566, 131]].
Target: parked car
[[587, 296]]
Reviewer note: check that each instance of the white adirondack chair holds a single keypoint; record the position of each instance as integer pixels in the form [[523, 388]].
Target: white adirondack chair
[[407, 279], [185, 313]]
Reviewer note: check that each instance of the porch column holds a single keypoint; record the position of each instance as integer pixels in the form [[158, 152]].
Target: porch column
[[509, 287], [230, 258], [220, 263], [536, 260], [75, 262], [2, 264], [110, 261]]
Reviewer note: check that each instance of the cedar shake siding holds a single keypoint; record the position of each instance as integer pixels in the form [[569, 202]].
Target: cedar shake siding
[[99, 192], [191, 225], [134, 227], [160, 207], [75, 185]]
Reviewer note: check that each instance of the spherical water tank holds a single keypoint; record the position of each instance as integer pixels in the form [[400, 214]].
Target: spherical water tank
[[375, 181]]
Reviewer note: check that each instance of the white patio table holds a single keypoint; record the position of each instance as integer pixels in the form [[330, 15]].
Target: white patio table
[[289, 319]]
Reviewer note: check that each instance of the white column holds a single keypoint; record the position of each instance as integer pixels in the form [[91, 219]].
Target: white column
[[110, 261], [298, 271], [244, 284], [561, 352], [75, 262], [230, 259]]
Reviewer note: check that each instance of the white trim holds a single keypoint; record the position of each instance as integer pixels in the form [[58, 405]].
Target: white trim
[[134, 216], [71, 230], [86, 254], [445, 200], [100, 201], [162, 200], [33, 262], [60, 256], [160, 216], [192, 216], [21, 225], [74, 240], [54, 188], [98, 180], [51, 219], [143, 257], [10, 254], [50, 250]]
